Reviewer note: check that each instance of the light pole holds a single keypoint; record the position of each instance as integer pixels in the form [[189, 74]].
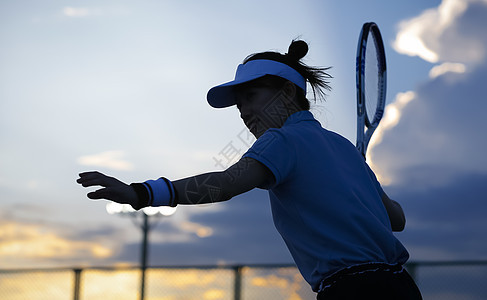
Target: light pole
[[145, 226]]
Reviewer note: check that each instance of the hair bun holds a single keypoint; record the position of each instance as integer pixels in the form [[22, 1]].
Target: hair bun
[[297, 50]]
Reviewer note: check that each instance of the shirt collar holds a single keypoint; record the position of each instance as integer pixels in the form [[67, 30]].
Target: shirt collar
[[302, 115]]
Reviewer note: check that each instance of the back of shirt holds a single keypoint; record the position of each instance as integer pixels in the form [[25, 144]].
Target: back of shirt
[[326, 202]]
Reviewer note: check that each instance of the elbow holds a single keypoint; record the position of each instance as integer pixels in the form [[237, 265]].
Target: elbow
[[398, 227], [224, 196], [396, 214], [399, 223]]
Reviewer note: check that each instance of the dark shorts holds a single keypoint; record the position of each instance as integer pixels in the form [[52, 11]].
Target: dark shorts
[[370, 281]]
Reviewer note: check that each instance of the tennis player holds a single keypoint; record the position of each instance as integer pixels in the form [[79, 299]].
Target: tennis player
[[327, 204]]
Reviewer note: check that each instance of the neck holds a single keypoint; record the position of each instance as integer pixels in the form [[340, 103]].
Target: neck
[[274, 116]]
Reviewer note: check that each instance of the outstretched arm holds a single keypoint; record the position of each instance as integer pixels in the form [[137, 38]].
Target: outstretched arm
[[243, 176], [211, 187], [395, 212]]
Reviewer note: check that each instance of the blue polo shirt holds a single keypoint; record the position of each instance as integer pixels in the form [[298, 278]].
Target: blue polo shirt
[[326, 202]]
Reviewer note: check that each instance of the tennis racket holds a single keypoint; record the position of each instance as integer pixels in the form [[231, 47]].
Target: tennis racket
[[371, 83]]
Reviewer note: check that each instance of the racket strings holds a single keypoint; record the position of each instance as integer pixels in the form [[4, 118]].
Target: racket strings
[[372, 88]]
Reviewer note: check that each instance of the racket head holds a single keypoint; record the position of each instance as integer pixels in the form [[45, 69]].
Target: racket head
[[371, 83]]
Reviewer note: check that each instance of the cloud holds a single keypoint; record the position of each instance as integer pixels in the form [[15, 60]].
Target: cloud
[[392, 115], [440, 123], [50, 285], [81, 12], [270, 280], [286, 282], [108, 159], [27, 244], [438, 215], [200, 230], [182, 223], [453, 31], [245, 218], [441, 126], [214, 294], [87, 12], [431, 146], [445, 68]]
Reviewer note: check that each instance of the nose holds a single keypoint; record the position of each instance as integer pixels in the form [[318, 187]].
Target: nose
[[243, 107], [244, 116]]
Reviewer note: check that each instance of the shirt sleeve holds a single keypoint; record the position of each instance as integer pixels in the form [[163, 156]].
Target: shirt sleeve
[[374, 180], [274, 151]]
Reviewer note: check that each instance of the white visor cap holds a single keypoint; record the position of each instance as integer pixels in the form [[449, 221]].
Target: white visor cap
[[223, 95]]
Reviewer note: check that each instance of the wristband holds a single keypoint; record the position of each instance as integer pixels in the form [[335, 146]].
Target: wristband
[[142, 196], [154, 193]]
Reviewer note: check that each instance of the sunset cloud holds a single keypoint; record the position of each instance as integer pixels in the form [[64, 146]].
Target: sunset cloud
[[108, 89], [23, 241]]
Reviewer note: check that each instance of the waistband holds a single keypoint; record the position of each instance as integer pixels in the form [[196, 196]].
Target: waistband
[[358, 269]]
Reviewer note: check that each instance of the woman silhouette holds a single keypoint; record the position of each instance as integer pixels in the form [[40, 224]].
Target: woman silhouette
[[327, 204]]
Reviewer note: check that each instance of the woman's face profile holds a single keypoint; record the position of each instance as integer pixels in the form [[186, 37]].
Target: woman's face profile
[[263, 106]]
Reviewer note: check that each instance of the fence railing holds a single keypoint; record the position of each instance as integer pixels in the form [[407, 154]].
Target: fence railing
[[437, 280]]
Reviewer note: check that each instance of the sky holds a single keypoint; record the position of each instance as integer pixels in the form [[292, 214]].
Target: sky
[[120, 87]]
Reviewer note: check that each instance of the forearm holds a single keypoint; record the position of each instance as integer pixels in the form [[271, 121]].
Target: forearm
[[395, 212], [205, 188], [221, 186]]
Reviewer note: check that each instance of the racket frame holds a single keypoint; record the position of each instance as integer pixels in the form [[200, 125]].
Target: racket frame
[[365, 126]]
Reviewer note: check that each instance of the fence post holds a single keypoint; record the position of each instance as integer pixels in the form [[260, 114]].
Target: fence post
[[237, 287], [77, 283]]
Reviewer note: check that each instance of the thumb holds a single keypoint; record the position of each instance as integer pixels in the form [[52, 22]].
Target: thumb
[[104, 193]]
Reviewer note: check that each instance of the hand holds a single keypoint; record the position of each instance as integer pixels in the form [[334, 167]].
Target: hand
[[113, 189]]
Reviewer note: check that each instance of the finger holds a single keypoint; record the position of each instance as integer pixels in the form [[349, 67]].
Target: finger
[[85, 177], [89, 173], [94, 178], [108, 194], [93, 182], [100, 194]]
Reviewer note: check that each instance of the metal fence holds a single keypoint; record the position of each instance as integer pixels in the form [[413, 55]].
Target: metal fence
[[437, 280]]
